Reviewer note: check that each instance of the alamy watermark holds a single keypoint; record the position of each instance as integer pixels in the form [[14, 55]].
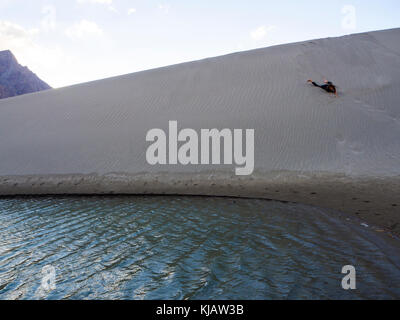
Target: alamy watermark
[[48, 278], [349, 281], [48, 22], [207, 139], [349, 21]]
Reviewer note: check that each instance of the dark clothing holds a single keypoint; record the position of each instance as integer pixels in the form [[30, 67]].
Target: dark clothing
[[328, 87]]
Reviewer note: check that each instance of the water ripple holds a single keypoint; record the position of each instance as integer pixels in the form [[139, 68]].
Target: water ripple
[[137, 247]]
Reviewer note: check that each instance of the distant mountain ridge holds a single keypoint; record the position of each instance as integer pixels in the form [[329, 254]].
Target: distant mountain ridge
[[15, 79]]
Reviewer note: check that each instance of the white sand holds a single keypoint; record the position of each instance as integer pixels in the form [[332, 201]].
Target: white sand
[[94, 129]]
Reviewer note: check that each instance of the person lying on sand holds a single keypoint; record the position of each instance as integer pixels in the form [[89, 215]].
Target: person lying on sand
[[328, 86]]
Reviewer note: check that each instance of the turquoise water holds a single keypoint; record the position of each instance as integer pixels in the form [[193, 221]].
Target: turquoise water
[[140, 247]]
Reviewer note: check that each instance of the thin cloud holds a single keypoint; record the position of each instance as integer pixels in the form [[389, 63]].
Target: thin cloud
[[164, 7], [108, 2], [261, 32], [113, 9], [84, 29], [131, 11]]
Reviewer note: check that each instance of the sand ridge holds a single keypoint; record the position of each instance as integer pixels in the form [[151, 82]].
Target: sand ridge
[[93, 129]]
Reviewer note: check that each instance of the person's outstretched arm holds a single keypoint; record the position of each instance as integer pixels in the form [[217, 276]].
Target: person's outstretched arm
[[315, 84]]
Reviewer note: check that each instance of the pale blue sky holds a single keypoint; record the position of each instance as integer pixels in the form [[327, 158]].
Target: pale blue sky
[[68, 42]]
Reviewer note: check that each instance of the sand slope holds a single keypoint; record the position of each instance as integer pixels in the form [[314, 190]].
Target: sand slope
[[309, 146]]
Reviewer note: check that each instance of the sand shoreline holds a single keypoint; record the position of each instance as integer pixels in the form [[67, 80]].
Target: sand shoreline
[[374, 200]]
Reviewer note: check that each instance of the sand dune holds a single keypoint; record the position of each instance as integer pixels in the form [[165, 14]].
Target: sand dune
[[341, 153]]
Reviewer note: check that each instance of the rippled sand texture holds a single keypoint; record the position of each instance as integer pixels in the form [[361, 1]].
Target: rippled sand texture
[[99, 128], [188, 248]]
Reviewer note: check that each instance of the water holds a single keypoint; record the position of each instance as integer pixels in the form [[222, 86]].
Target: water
[[137, 247]]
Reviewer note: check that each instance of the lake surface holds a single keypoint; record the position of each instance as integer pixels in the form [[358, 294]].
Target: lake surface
[[141, 247]]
